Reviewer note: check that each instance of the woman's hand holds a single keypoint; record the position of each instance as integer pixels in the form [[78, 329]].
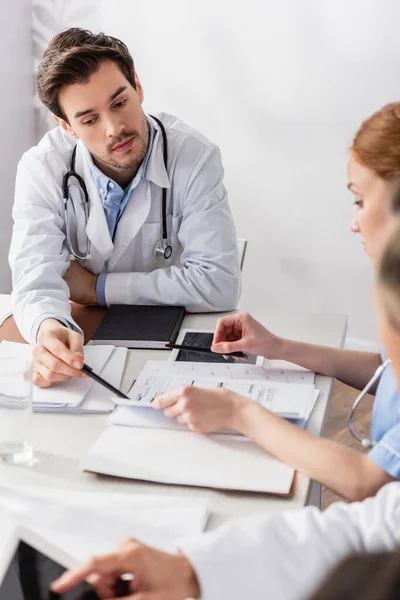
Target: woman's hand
[[241, 332], [204, 410]]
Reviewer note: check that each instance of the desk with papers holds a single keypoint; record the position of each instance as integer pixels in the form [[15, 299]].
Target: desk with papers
[[63, 440]]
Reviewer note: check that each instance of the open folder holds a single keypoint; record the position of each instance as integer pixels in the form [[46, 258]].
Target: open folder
[[188, 458], [147, 445]]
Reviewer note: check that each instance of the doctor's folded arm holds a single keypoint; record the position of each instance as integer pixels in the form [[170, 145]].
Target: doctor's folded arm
[[137, 201]]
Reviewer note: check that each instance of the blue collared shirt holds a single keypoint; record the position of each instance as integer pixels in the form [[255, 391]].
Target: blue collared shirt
[[115, 199], [385, 425]]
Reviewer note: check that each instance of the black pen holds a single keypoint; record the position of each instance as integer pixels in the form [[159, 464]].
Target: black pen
[[202, 349], [90, 373]]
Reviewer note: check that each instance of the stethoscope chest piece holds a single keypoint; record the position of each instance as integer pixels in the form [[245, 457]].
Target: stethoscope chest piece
[[163, 249]]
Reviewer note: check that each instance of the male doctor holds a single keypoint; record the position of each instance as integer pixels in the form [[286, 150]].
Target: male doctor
[[113, 219]]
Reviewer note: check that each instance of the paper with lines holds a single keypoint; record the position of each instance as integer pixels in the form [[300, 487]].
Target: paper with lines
[[289, 400]]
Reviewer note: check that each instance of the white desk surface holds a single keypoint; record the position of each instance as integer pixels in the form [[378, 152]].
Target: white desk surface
[[63, 440]]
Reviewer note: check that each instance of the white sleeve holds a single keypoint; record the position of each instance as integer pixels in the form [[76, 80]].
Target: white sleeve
[[38, 256], [209, 279], [286, 556]]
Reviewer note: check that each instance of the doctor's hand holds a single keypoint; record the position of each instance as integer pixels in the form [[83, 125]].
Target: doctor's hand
[[241, 332], [204, 410], [81, 283], [157, 575], [58, 354]]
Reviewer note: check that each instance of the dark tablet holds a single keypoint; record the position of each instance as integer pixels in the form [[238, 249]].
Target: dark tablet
[[30, 564]]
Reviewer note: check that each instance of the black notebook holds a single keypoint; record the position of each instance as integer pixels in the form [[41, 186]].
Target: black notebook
[[149, 327]]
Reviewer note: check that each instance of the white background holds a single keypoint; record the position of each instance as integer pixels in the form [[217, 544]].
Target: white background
[[16, 112], [281, 86]]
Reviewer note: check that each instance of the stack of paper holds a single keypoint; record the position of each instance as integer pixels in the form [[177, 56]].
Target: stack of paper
[[288, 393], [164, 451], [94, 522], [79, 395]]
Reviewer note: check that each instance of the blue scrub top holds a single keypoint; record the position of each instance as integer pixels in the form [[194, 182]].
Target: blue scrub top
[[385, 424]]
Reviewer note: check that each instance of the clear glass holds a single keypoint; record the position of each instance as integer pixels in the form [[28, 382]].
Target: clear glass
[[16, 411]]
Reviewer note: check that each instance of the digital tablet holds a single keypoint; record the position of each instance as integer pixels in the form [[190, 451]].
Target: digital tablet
[[204, 338], [28, 566]]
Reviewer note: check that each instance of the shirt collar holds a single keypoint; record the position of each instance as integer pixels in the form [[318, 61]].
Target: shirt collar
[[102, 181]]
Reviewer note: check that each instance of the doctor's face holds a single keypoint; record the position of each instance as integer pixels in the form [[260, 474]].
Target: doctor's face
[[371, 206], [106, 114]]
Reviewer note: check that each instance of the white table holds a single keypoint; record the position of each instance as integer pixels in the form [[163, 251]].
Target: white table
[[63, 440]]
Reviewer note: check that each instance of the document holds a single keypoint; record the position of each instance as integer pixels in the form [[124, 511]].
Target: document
[[98, 399], [155, 419], [68, 394], [159, 377], [94, 522]]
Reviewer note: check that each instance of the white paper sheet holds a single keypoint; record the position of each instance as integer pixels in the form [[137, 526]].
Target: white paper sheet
[[155, 419], [69, 393], [93, 522], [98, 400], [302, 423], [230, 371], [157, 378], [187, 458]]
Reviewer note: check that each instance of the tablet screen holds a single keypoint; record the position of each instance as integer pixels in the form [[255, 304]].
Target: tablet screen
[[30, 575], [204, 340]]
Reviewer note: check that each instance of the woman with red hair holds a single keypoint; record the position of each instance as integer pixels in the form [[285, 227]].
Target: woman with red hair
[[373, 170]]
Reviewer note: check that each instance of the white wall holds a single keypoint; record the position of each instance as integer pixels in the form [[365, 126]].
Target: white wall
[[16, 112], [281, 86]]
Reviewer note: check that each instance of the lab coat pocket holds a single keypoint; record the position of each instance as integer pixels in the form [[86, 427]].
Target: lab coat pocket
[[152, 235]]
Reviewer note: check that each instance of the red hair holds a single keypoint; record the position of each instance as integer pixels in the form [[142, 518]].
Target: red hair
[[376, 144]]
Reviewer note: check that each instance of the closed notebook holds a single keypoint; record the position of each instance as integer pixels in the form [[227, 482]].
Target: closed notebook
[[137, 326]]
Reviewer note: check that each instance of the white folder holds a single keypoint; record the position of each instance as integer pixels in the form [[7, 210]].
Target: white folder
[[188, 458]]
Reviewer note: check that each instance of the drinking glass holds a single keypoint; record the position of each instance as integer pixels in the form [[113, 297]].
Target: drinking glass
[[15, 411]]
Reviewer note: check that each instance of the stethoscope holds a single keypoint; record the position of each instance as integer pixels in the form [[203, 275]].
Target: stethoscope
[[365, 442], [162, 249]]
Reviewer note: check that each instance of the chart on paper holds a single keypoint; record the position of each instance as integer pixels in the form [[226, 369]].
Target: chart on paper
[[286, 400]]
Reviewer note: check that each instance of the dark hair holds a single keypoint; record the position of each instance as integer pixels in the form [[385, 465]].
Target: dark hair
[[373, 576], [72, 57]]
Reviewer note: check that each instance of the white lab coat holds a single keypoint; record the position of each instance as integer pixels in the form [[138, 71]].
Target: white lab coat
[[202, 274], [286, 556]]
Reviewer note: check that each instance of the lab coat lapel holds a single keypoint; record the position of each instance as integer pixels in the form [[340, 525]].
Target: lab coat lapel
[[139, 204], [97, 228], [131, 221], [156, 171]]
